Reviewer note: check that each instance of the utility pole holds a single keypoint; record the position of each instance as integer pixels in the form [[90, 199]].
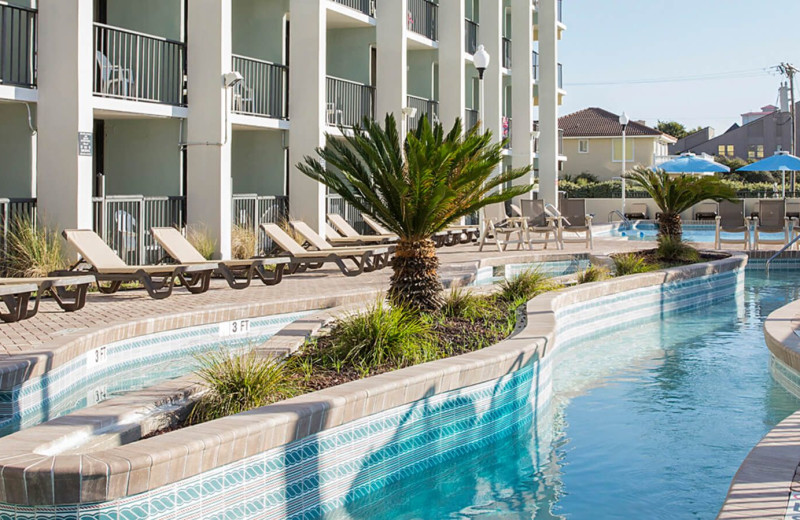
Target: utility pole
[[788, 70]]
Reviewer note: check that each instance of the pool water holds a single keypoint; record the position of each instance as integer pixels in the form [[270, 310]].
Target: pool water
[[651, 421], [691, 233]]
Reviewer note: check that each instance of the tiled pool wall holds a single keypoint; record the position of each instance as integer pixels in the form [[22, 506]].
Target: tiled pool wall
[[118, 367], [552, 268], [333, 467]]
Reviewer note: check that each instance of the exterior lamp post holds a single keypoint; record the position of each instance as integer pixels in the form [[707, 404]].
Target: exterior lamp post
[[481, 59], [624, 120]]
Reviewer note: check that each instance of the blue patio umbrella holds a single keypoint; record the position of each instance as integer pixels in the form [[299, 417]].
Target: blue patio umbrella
[[691, 163], [780, 162]]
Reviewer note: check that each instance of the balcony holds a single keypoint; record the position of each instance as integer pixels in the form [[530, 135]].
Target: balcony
[[471, 116], [506, 53], [17, 46], [263, 91], [535, 63], [348, 102], [425, 107], [138, 67], [366, 7], [423, 18], [560, 76], [470, 36]]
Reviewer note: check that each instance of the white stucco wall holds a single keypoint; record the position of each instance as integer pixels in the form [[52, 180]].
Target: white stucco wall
[[599, 159]]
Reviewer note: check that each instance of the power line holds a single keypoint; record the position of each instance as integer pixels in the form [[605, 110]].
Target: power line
[[749, 73]]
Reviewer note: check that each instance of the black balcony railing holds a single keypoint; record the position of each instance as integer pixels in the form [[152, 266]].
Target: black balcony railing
[[365, 6], [17, 46], [470, 118], [425, 107], [535, 63], [506, 53], [560, 76], [470, 36], [423, 18], [264, 89], [349, 102], [137, 66]]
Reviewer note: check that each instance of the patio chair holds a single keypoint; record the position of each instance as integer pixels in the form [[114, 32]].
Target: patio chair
[[69, 292], [114, 79], [346, 233], [321, 244], [793, 208], [100, 260], [706, 210], [732, 219], [238, 273], [16, 297], [539, 222], [638, 211], [500, 227], [442, 238], [576, 220], [772, 219], [365, 259], [243, 98]]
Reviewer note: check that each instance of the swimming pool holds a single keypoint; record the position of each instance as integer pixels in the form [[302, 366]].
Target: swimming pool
[[650, 421], [691, 233]]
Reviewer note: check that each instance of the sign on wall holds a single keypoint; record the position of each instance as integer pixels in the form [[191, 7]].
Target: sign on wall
[[85, 144]]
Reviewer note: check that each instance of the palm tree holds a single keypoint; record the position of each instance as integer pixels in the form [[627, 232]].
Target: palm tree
[[674, 194], [414, 188]]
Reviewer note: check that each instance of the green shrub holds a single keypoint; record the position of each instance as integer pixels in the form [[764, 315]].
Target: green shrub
[[672, 249], [33, 250], [240, 383], [593, 273], [381, 335], [201, 239], [525, 286], [460, 303], [630, 263]]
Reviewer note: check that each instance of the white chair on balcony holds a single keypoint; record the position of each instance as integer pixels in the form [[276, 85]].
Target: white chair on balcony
[[333, 115], [114, 79], [243, 98]]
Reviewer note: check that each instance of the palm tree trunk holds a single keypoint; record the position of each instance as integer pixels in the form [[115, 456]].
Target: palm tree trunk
[[670, 225], [415, 281]]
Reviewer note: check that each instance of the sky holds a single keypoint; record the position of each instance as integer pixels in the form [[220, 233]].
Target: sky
[[612, 50]]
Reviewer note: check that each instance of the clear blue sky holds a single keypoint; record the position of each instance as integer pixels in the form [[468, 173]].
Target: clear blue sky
[[624, 41]]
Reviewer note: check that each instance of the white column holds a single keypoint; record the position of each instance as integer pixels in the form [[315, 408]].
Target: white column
[[521, 86], [452, 94], [307, 72], [208, 189], [392, 63], [490, 36], [548, 101], [66, 73]]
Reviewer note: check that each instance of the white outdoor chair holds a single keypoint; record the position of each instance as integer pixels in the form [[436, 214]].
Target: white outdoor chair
[[500, 227], [114, 79]]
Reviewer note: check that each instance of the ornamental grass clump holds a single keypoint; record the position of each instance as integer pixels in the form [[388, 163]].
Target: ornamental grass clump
[[239, 383], [33, 250], [630, 263], [460, 303], [593, 273], [524, 286], [674, 250], [201, 239], [243, 243]]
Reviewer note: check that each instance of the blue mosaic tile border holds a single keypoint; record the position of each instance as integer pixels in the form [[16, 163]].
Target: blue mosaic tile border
[[64, 389]]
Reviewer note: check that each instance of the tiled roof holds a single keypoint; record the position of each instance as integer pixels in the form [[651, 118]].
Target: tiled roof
[[596, 122]]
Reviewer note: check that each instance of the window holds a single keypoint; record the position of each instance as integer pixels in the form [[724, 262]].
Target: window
[[726, 150], [583, 146], [721, 150], [755, 151], [617, 150], [730, 151], [760, 151]]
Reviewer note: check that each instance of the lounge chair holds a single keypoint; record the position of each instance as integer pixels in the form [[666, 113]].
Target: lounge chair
[[732, 219], [16, 297], [238, 273], [638, 211], [706, 210], [347, 234], [576, 220], [538, 221], [500, 227], [366, 259], [321, 244], [101, 261], [69, 292], [442, 238], [793, 208], [772, 219]]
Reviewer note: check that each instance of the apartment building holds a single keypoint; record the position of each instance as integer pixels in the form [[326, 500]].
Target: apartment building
[[120, 115]]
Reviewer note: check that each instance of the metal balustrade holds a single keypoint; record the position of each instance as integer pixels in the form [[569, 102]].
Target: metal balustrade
[[264, 89], [506, 53], [425, 107], [560, 11], [560, 76], [535, 64], [251, 210], [12, 210], [423, 18], [138, 66], [470, 118], [17, 45], [470, 36], [535, 128], [124, 222], [336, 204], [348, 102], [366, 7]]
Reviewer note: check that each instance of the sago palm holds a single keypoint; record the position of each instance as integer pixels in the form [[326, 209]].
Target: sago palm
[[415, 187], [674, 194]]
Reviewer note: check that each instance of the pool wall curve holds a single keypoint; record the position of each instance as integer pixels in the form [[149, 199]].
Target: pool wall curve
[[323, 449]]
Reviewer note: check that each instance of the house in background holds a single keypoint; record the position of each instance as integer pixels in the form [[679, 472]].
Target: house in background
[[593, 143]]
